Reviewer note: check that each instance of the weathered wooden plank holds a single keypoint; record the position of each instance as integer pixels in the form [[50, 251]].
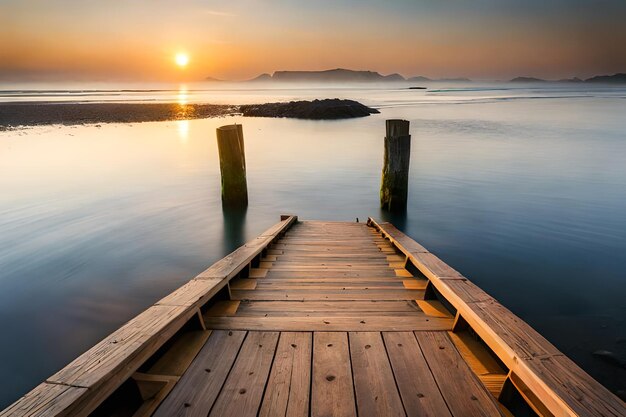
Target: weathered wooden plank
[[115, 358], [324, 314], [374, 384], [280, 227], [461, 389], [329, 266], [390, 231], [242, 392], [321, 295], [345, 243], [312, 286], [294, 247], [195, 393], [46, 400], [431, 266], [329, 280], [516, 344], [194, 293], [329, 256], [287, 392], [331, 274], [336, 257], [569, 381], [417, 386], [332, 392], [334, 323], [262, 307]]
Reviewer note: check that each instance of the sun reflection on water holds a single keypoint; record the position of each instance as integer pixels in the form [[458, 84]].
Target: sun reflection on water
[[183, 95], [183, 130]]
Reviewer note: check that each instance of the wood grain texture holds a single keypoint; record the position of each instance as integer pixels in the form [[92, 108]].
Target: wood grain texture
[[332, 393], [461, 389], [523, 350], [261, 307], [289, 385], [46, 400], [417, 386], [374, 384], [195, 393], [322, 295], [418, 322], [242, 392]]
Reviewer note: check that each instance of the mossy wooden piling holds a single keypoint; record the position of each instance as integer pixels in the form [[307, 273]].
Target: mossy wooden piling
[[232, 165], [395, 177]]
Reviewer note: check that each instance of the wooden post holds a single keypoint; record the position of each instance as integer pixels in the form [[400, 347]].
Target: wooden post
[[232, 166], [395, 179]]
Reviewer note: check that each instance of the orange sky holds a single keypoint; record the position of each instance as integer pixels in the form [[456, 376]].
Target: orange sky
[[96, 40]]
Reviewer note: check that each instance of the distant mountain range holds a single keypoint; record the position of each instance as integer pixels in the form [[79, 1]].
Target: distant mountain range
[[339, 75], [619, 78], [345, 75]]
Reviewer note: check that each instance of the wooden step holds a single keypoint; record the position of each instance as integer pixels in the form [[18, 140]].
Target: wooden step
[[417, 322]]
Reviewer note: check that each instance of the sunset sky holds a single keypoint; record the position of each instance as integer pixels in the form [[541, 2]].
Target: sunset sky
[[239, 39]]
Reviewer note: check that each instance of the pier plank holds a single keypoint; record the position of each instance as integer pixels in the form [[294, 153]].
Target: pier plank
[[195, 393], [242, 392], [374, 384], [287, 392], [321, 295], [262, 307], [420, 394], [46, 400], [416, 321], [332, 392], [461, 389]]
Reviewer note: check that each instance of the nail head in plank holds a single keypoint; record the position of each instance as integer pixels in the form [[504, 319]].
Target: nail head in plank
[[195, 393], [332, 393], [461, 389], [289, 385], [418, 322], [418, 389], [242, 392], [374, 384]]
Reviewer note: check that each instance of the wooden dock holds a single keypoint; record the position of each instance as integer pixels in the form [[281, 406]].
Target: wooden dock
[[323, 319]]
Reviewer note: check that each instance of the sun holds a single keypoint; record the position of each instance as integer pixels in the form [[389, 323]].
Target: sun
[[181, 59]]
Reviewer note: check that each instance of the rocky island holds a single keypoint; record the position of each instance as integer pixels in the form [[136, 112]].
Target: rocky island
[[327, 109]]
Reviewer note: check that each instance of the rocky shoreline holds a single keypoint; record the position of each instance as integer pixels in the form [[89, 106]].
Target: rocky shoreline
[[14, 115]]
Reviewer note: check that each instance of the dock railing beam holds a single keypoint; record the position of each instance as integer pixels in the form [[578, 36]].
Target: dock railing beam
[[232, 166], [395, 176]]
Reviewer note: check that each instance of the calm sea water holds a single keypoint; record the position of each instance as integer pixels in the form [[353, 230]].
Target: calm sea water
[[522, 189]]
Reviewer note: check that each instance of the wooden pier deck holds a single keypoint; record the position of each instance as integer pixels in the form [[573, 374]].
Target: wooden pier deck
[[324, 319]]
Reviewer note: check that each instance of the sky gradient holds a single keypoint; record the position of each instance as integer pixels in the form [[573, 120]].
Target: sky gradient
[[239, 39]]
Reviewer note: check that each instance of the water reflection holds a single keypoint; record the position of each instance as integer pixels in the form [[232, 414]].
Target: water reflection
[[397, 218], [525, 197], [234, 228], [183, 130], [182, 97]]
